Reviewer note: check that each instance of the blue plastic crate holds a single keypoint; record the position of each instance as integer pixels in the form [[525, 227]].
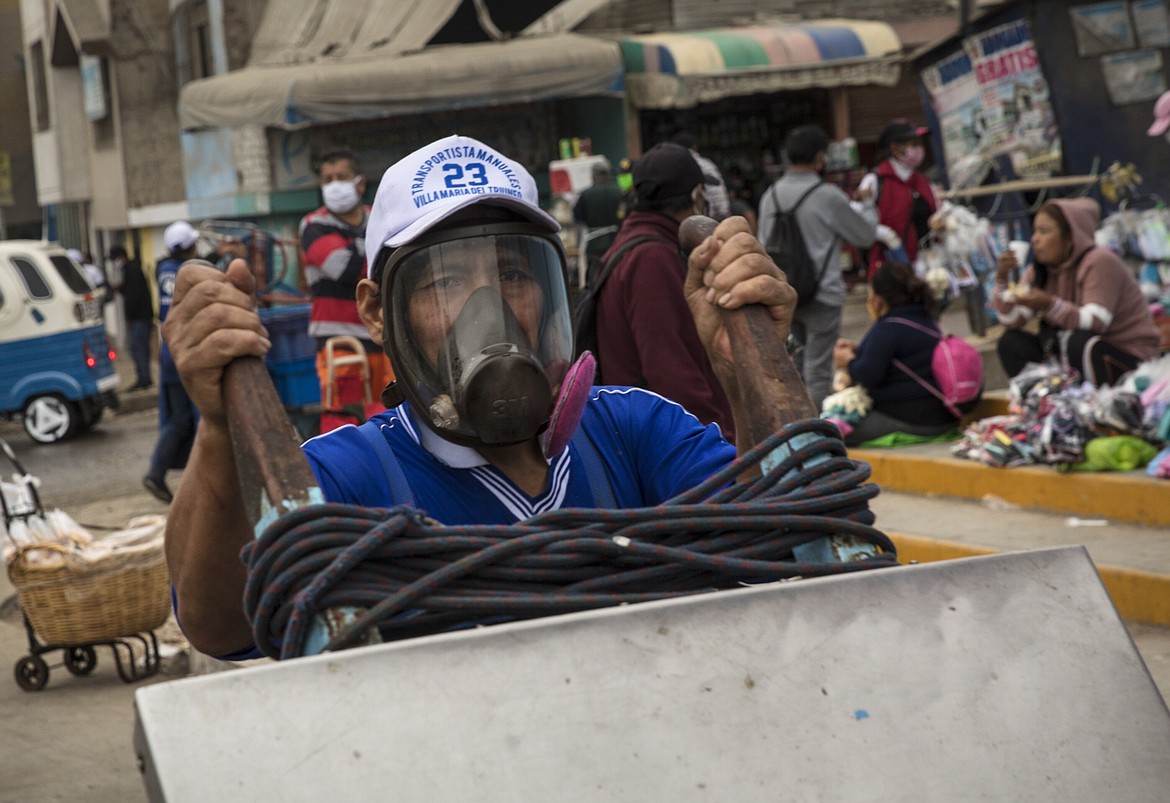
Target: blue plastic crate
[[288, 329], [296, 381]]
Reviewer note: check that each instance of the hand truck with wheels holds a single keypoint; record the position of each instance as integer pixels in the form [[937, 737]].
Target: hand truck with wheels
[[77, 604]]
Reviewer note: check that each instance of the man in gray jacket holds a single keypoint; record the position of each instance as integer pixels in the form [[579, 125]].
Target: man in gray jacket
[[826, 217]]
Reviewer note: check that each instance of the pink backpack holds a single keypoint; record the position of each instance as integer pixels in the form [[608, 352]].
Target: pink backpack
[[957, 367]]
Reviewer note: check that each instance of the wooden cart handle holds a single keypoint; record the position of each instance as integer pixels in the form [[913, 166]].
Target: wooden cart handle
[[274, 475], [764, 368]]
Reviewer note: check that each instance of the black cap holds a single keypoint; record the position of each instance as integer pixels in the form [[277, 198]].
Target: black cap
[[666, 171], [901, 131]]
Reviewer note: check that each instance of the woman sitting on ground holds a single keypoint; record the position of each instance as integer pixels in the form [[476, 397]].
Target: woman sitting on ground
[[906, 332], [1093, 316]]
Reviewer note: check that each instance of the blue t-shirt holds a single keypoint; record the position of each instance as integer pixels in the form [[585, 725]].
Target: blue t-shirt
[[652, 450]]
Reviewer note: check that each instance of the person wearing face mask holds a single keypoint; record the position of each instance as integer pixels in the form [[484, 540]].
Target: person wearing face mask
[[490, 421], [826, 219], [1093, 315], [905, 199], [646, 337], [333, 244], [893, 360]]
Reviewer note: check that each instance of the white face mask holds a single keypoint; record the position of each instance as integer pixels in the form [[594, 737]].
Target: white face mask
[[341, 196], [913, 156]]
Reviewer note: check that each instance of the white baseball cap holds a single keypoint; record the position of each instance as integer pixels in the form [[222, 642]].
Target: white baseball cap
[[1161, 116], [179, 236], [422, 189]]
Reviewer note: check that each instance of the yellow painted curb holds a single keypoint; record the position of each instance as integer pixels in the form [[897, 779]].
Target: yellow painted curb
[[1139, 596], [1122, 496]]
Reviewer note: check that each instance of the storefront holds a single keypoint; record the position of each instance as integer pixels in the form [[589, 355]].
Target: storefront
[[740, 90]]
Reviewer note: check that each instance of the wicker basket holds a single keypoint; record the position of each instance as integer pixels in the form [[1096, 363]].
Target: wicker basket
[[77, 600]]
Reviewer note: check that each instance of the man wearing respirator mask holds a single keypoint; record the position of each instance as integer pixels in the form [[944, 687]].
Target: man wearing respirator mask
[[490, 420], [333, 242]]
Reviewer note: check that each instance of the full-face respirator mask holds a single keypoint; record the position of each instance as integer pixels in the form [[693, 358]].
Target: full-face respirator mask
[[477, 326]]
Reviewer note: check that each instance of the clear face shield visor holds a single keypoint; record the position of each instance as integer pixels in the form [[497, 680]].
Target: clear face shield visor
[[477, 326]]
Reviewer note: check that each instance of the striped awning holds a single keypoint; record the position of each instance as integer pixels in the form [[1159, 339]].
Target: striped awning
[[672, 70]]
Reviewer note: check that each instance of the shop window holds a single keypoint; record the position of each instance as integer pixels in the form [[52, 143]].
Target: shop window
[[40, 88]]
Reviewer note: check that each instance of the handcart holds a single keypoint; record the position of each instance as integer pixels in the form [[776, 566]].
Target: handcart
[[348, 396], [116, 601]]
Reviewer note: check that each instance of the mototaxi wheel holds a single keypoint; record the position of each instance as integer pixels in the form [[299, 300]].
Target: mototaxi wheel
[[80, 661], [32, 673], [49, 418]]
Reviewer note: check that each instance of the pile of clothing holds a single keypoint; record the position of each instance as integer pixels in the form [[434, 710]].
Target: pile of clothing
[[1056, 419]]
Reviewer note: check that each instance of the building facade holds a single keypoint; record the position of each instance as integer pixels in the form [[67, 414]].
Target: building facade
[[146, 111], [20, 214], [102, 79]]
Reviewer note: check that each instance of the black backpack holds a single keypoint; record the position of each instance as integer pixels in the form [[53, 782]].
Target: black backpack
[[585, 310], [786, 247]]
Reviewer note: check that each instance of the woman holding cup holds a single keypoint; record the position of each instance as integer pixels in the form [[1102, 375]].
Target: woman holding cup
[[1092, 314]]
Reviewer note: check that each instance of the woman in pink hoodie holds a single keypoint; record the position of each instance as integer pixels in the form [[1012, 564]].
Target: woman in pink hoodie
[[1093, 316]]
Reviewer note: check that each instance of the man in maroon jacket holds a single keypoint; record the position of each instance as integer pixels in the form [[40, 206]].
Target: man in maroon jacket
[[645, 331]]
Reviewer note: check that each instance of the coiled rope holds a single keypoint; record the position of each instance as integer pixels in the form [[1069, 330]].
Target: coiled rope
[[414, 576]]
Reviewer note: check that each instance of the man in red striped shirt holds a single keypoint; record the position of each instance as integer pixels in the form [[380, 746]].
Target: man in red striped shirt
[[333, 243]]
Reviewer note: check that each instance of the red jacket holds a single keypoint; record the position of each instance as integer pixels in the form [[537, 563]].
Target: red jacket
[[646, 335], [894, 204]]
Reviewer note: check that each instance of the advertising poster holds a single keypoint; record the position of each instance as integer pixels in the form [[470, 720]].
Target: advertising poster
[[993, 103], [1102, 28], [954, 95], [1133, 77], [1152, 23]]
